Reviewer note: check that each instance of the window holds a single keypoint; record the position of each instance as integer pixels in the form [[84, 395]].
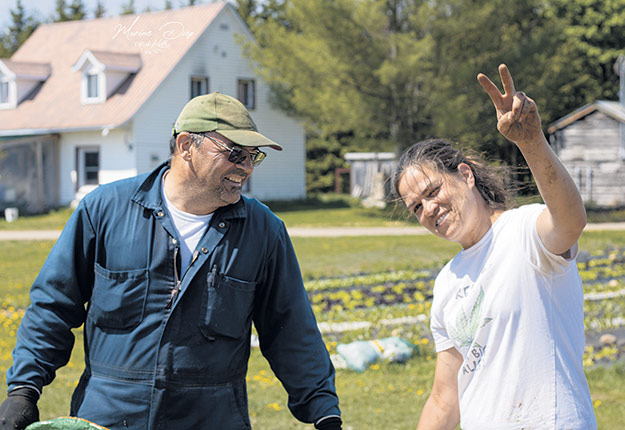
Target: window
[[4, 92], [88, 166], [92, 86], [92, 166], [199, 86], [247, 93]]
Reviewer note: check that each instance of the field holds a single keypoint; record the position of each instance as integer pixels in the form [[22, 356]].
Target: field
[[384, 281]]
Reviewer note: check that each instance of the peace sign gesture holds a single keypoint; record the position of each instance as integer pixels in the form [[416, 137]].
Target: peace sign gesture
[[517, 115]]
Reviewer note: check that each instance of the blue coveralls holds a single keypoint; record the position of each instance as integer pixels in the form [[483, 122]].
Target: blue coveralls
[[164, 349]]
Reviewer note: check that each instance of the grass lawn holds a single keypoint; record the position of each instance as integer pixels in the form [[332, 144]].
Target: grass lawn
[[388, 396]]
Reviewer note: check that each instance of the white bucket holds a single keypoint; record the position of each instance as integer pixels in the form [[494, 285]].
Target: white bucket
[[11, 214]]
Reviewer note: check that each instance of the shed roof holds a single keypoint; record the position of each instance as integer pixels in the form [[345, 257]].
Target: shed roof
[[610, 108], [159, 40]]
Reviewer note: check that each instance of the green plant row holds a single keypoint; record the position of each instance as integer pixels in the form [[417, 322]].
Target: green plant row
[[370, 279]]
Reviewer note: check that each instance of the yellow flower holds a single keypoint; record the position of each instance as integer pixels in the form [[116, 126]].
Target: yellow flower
[[275, 406], [425, 341], [419, 392], [375, 366], [597, 403]]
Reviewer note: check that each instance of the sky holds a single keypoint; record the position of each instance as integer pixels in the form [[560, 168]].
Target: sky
[[44, 9]]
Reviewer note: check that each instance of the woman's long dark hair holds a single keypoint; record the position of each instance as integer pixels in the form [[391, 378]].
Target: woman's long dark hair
[[440, 154]]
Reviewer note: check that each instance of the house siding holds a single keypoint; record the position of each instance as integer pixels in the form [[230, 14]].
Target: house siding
[[116, 158]]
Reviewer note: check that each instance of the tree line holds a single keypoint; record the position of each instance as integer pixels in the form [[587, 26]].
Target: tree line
[[379, 75]]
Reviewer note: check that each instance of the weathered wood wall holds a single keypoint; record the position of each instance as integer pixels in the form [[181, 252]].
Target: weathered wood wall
[[590, 150]]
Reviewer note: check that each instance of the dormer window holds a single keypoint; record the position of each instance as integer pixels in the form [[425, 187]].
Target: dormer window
[[104, 72], [92, 85], [4, 92], [18, 80]]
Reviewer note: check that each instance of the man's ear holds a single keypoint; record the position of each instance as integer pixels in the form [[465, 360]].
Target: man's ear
[[466, 174], [183, 145]]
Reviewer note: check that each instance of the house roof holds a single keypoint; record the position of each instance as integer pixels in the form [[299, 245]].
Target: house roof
[[159, 40], [610, 108]]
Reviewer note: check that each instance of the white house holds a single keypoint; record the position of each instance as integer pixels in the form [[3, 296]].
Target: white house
[[88, 102]]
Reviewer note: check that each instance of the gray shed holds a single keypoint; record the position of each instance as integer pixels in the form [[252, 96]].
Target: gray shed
[[590, 141], [369, 174]]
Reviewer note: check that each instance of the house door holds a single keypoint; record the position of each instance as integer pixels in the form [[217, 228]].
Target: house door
[[87, 166]]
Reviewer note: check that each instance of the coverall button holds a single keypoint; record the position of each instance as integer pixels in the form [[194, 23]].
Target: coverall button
[[159, 213], [174, 241], [222, 224], [204, 250]]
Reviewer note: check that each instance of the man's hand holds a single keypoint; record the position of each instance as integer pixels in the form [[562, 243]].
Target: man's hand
[[19, 409], [517, 115]]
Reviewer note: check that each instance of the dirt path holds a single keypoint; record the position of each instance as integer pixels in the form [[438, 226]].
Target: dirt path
[[300, 231]]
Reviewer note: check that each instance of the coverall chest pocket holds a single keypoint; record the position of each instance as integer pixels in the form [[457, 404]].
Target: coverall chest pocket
[[226, 306], [118, 297]]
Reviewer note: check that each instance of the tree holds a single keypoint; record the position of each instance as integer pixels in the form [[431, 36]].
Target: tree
[[476, 36], [345, 67], [128, 8], [168, 5], [99, 10], [77, 10], [352, 69], [594, 31], [60, 11], [381, 74], [19, 30]]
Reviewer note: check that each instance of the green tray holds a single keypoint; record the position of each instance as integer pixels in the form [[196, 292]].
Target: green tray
[[65, 423]]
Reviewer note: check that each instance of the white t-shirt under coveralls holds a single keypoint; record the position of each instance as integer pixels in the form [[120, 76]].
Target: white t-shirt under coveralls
[[514, 311]]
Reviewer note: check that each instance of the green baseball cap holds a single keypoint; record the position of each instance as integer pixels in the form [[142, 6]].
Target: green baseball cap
[[223, 114]]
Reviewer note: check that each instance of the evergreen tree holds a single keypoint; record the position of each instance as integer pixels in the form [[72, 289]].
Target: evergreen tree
[[247, 10], [99, 10], [20, 28], [128, 8], [168, 5], [61, 12], [77, 10]]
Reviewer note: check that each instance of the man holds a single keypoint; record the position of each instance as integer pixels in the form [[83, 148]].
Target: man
[[174, 266]]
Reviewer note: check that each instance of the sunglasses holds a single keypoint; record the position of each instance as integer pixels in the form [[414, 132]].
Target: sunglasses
[[238, 155]]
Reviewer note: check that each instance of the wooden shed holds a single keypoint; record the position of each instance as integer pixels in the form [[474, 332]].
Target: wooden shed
[[591, 144]]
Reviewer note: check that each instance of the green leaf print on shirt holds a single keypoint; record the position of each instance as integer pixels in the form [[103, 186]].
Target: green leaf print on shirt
[[465, 328]]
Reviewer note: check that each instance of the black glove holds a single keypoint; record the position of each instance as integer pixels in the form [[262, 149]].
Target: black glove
[[19, 409], [331, 423]]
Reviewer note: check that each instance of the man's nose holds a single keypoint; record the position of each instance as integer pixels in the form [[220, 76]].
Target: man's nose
[[247, 163]]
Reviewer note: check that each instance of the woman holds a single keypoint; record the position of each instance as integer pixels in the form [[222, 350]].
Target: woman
[[507, 314]]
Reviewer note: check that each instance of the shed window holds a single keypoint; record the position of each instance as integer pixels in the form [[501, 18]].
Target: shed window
[[247, 93]]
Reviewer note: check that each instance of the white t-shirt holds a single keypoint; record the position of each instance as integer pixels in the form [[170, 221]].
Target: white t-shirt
[[190, 228], [514, 311]]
